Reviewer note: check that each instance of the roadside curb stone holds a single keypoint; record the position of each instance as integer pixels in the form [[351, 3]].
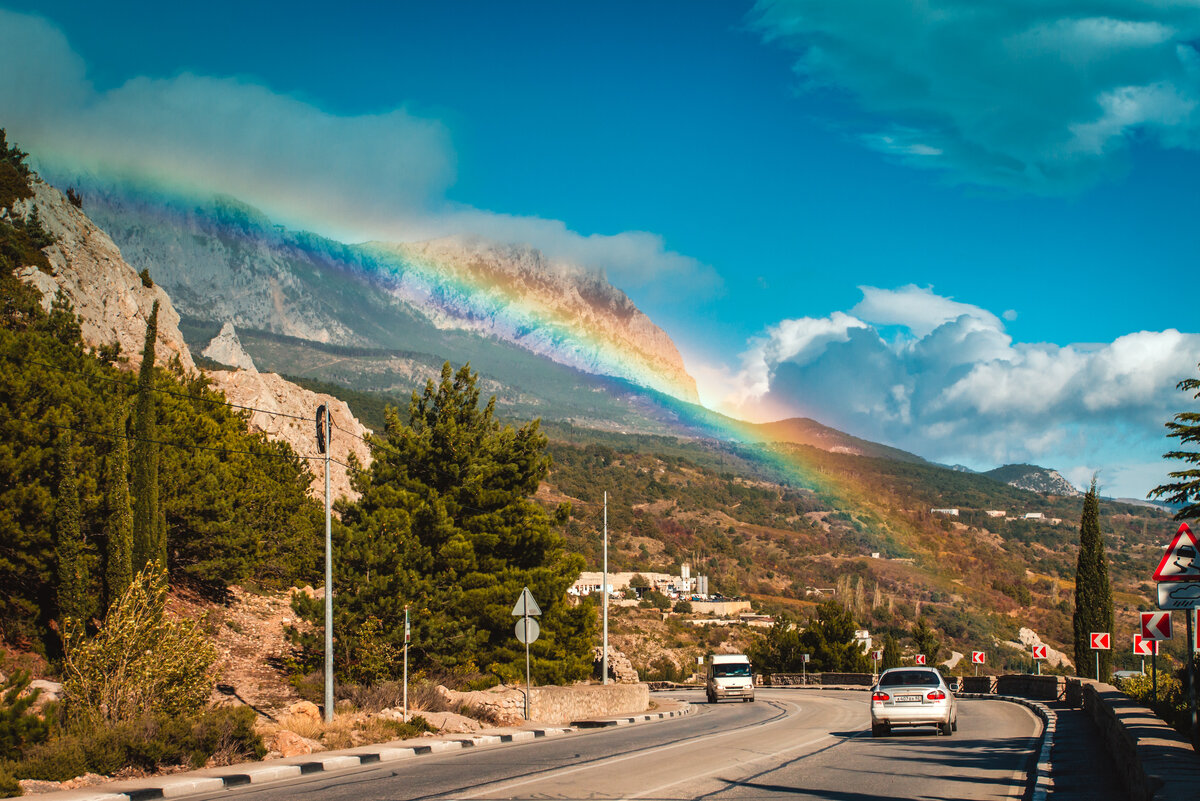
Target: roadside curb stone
[[180, 785]]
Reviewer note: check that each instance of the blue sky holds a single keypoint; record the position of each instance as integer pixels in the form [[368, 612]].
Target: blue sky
[[939, 230]]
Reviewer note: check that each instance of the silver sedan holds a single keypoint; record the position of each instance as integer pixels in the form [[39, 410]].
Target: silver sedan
[[912, 696]]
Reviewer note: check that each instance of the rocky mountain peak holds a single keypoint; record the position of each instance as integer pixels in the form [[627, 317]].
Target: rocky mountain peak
[[227, 349], [113, 304]]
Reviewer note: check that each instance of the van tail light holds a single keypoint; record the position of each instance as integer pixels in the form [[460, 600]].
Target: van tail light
[[937, 695], [880, 697]]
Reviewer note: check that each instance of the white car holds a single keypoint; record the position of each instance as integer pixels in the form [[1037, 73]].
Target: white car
[[912, 696]]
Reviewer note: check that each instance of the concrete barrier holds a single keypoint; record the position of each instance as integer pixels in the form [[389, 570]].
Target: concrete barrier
[[565, 704], [1042, 688], [819, 679], [983, 685], [1155, 761]]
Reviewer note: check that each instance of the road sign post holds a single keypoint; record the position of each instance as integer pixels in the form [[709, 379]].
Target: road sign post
[[977, 659], [527, 632], [1181, 564], [1100, 642], [1039, 653], [804, 668], [407, 639]]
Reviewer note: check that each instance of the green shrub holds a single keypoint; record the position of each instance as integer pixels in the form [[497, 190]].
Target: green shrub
[[9, 788], [148, 743], [140, 663], [55, 761], [18, 726]]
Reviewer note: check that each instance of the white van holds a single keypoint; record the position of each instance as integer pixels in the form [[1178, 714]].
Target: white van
[[729, 676]]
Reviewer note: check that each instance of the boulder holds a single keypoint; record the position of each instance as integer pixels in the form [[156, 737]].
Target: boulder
[[288, 743], [306, 709], [620, 669]]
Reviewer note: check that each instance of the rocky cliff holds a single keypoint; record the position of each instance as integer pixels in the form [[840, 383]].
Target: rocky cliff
[[1033, 478], [109, 296], [113, 306], [559, 310], [225, 261], [227, 349]]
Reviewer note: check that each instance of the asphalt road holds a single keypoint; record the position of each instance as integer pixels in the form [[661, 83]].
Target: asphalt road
[[788, 744]]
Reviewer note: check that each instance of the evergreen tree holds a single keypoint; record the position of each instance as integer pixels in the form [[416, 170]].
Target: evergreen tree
[[829, 639], [891, 653], [446, 523], [1186, 489], [1093, 594], [118, 524], [146, 526], [926, 641], [72, 575]]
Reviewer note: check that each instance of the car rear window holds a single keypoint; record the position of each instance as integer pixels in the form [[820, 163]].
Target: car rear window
[[735, 669], [909, 678]]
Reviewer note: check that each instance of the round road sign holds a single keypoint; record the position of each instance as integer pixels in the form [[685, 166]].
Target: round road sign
[[527, 635]]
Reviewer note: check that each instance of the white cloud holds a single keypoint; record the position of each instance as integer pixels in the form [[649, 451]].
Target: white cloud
[[964, 392], [374, 176], [1039, 96], [919, 310]]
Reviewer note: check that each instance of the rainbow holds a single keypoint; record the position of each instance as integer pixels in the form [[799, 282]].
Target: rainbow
[[460, 298]]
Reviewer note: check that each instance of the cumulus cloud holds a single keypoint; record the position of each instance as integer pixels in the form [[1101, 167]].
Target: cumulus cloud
[[374, 176], [958, 389], [1037, 96]]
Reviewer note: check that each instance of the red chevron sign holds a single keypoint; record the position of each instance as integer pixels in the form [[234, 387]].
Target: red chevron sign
[[1156, 625], [1039, 651], [1101, 641]]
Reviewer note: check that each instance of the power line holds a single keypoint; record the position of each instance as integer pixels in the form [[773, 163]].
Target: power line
[[181, 445], [137, 386]]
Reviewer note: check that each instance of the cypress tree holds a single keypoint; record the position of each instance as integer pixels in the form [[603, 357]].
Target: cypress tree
[[72, 577], [118, 524], [145, 457], [1093, 594]]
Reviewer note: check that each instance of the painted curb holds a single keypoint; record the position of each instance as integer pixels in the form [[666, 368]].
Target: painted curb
[[686, 709], [182, 784], [1040, 780]]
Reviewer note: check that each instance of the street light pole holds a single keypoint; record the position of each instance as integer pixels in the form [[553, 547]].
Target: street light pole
[[604, 592], [328, 579]]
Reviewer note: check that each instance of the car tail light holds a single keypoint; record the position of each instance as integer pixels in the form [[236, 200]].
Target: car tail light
[[937, 695], [880, 697]]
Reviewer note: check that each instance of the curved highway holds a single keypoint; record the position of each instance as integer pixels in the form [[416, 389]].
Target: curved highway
[[794, 744]]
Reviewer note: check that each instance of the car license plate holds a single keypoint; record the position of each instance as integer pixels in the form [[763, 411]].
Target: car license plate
[[908, 698]]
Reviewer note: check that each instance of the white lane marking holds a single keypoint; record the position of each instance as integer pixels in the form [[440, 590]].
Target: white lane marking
[[689, 743]]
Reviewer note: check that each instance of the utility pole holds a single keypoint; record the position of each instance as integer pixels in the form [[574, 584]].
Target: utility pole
[[604, 592], [324, 431], [407, 637]]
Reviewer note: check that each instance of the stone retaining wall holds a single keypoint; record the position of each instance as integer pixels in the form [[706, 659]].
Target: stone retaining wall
[[819, 679], [1155, 761], [979, 684], [1042, 688], [567, 704]]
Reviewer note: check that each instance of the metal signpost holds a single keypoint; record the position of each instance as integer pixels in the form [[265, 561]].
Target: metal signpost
[[527, 631], [1100, 642], [1144, 648], [1039, 653], [1179, 568], [407, 640], [804, 668], [1155, 626]]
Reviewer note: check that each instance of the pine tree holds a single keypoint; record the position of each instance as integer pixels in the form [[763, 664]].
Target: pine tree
[[1093, 594], [1186, 490], [72, 575], [891, 653], [118, 524], [926, 641], [146, 525], [446, 523]]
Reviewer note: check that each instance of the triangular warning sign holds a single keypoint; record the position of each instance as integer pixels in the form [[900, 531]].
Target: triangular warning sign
[[1181, 562], [526, 605]]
